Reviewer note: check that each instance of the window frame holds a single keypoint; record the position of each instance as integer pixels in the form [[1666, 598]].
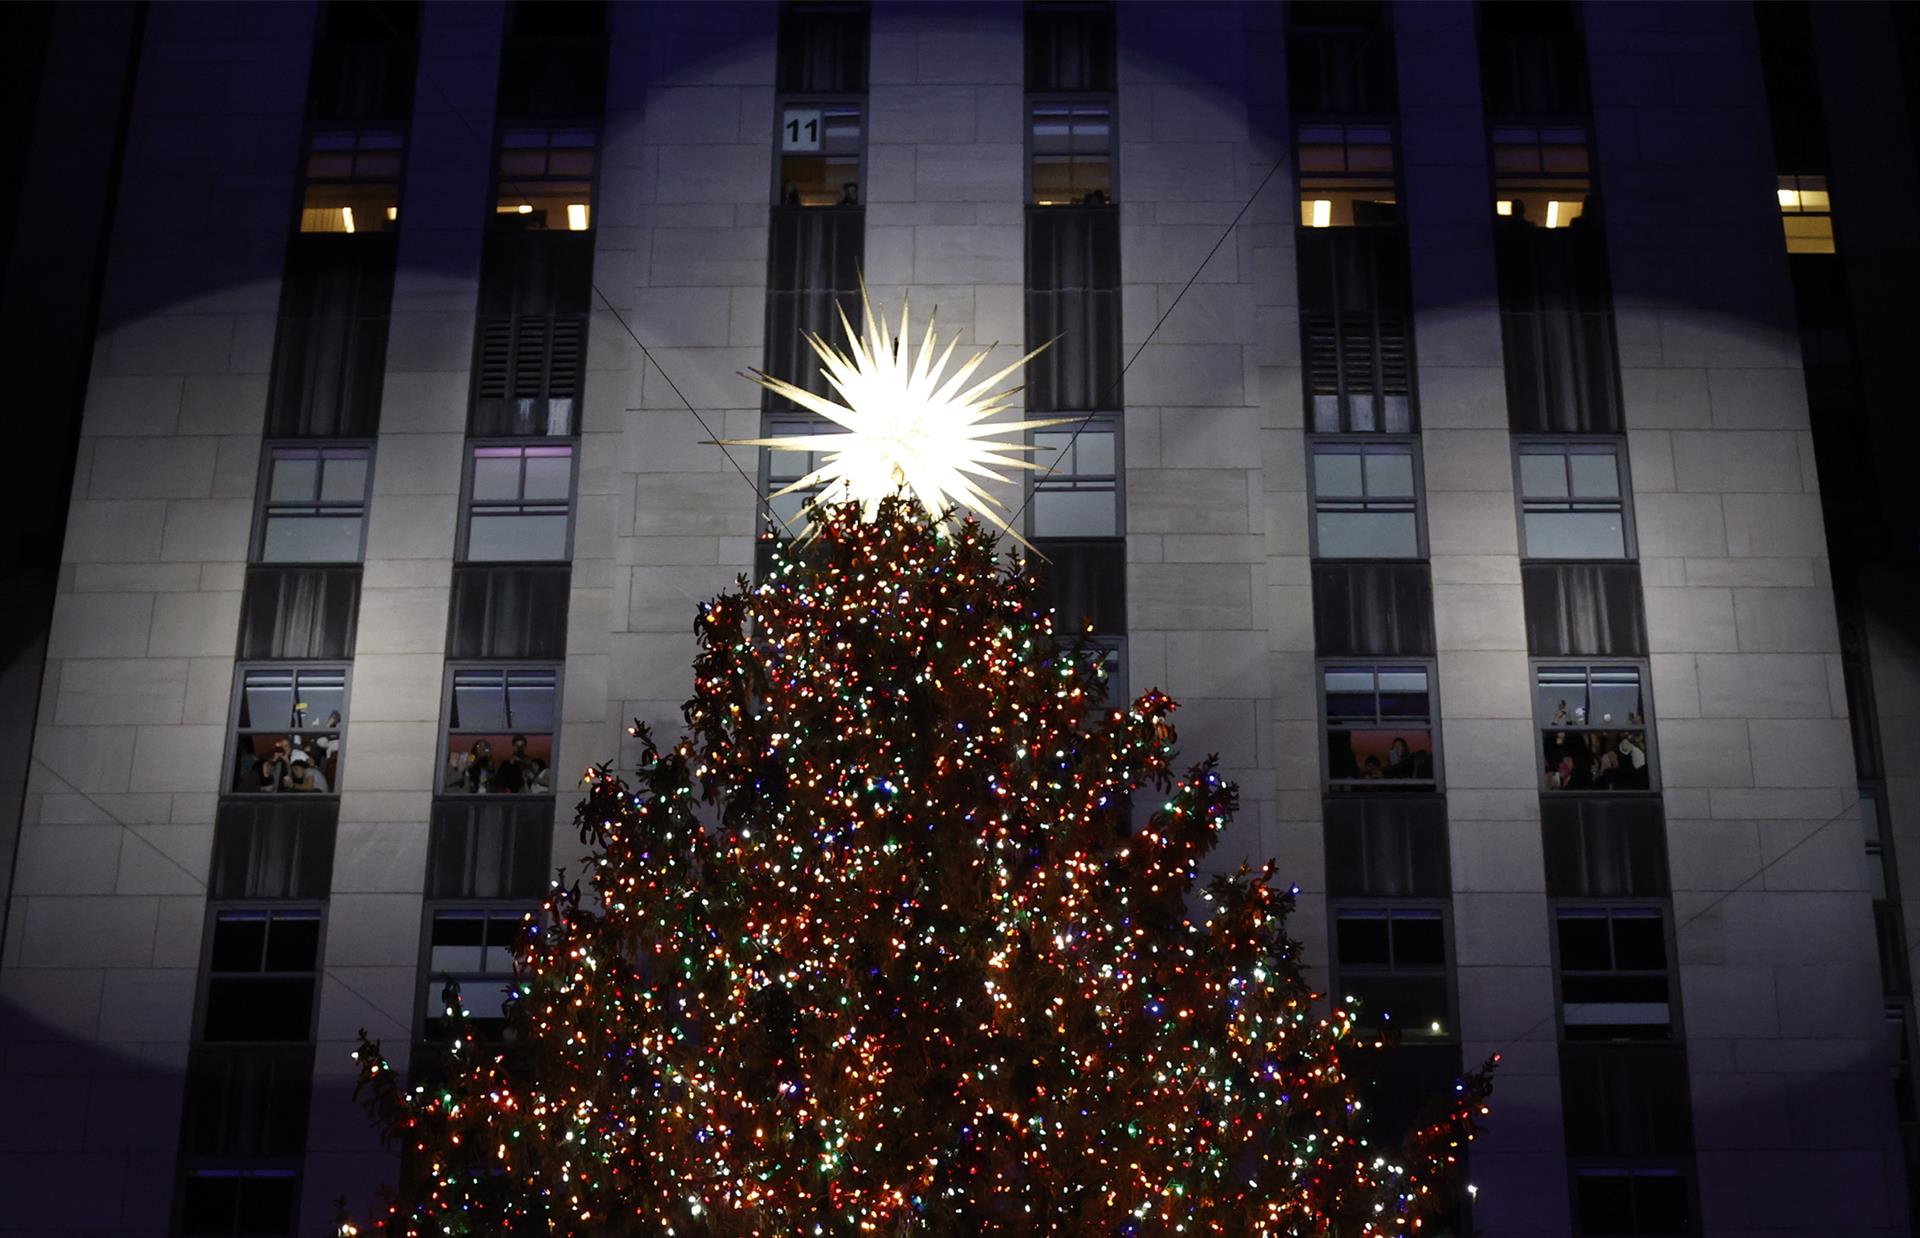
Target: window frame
[[498, 181], [1409, 908], [1589, 665], [456, 667], [1034, 98], [469, 466], [316, 909], [428, 982], [1366, 443], [231, 763], [1429, 667], [1567, 446], [1585, 907], [1630, 1167], [781, 103], [264, 504], [1349, 180], [304, 179], [1512, 185], [1112, 422]]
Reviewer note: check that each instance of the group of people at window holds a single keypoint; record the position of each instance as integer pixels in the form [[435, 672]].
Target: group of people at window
[[1374, 756], [1597, 760], [478, 770], [298, 761]]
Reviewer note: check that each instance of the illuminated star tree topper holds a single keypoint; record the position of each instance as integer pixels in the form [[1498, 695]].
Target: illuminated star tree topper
[[908, 423]]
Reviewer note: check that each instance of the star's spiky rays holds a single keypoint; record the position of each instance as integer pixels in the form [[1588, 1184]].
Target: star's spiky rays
[[908, 422]]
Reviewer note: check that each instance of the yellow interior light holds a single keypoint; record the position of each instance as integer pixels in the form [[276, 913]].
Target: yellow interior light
[[1503, 207], [1553, 214], [346, 217], [1322, 212], [576, 216], [525, 208], [1789, 198], [393, 212]]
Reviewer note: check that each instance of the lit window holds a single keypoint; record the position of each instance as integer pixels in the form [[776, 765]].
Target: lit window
[[1079, 497], [1072, 152], [352, 181], [500, 727], [315, 505], [520, 503], [1593, 728], [1379, 728], [546, 179], [1806, 213], [819, 153], [1393, 963], [260, 975], [1573, 505], [289, 729], [473, 948], [1613, 973], [1346, 176], [1541, 175], [1365, 504]]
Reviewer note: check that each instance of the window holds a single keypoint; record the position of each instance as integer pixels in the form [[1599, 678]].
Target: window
[[1572, 501], [1070, 46], [1372, 608], [1611, 1202], [352, 181], [823, 47], [545, 179], [1379, 728], [1532, 59], [261, 970], [813, 277], [500, 727], [273, 848], [474, 948], [1365, 501], [520, 503], [238, 1201], [1387, 846], [1346, 176], [1807, 214], [1393, 962], [489, 846], [1879, 861], [314, 504], [1593, 728], [508, 611], [1540, 175], [553, 61], [781, 469], [364, 62], [1076, 492], [330, 343], [1340, 58], [299, 613], [1071, 152], [1613, 973], [820, 147], [536, 287], [248, 1102], [1356, 327], [1073, 300], [289, 731]]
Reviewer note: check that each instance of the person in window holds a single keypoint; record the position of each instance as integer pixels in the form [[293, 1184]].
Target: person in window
[[326, 747], [301, 775], [270, 769], [516, 770], [790, 194], [1095, 197], [1559, 762], [850, 193], [1398, 763], [1633, 763], [477, 774]]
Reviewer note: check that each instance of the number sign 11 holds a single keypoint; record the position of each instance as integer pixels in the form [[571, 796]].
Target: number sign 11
[[801, 129]]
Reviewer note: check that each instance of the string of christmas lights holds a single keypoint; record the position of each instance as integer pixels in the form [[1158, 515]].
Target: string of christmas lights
[[875, 949]]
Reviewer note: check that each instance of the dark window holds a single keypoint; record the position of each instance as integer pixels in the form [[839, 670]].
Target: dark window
[[314, 504], [821, 146], [1613, 1203], [1070, 145], [823, 48], [1073, 299], [299, 613], [553, 61], [1387, 846], [1626, 1101], [261, 973], [1873, 826], [1793, 85], [1379, 728], [1085, 582], [473, 947], [247, 1102], [813, 278], [1070, 46], [279, 848], [1593, 728], [508, 612], [484, 847], [1366, 502], [364, 62], [1556, 315], [330, 347], [1614, 982], [1591, 609], [530, 346], [1356, 327], [1393, 963], [1346, 176], [1604, 847], [519, 503], [1533, 61], [1340, 59], [500, 729], [290, 724], [1381, 609], [238, 1201], [1573, 500]]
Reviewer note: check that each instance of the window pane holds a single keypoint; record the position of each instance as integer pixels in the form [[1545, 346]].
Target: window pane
[[1399, 755], [293, 943], [549, 474], [530, 702], [496, 474], [322, 700], [1585, 943], [1363, 939], [1543, 476], [512, 536], [1595, 475], [1350, 694], [1575, 535], [1074, 513], [1615, 703], [458, 941], [1403, 694], [267, 699], [479, 702], [311, 539], [1418, 940], [1389, 475], [1605, 1203], [239, 941], [1639, 942], [1367, 535], [1336, 474], [345, 479], [295, 478], [1093, 453]]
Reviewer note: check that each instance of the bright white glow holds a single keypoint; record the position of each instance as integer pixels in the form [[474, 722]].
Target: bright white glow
[[1553, 214], [346, 217], [393, 212], [525, 208], [1789, 198], [576, 216], [908, 422], [1503, 207], [1322, 213]]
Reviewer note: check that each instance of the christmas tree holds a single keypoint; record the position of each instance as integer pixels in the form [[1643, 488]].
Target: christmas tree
[[876, 947]]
